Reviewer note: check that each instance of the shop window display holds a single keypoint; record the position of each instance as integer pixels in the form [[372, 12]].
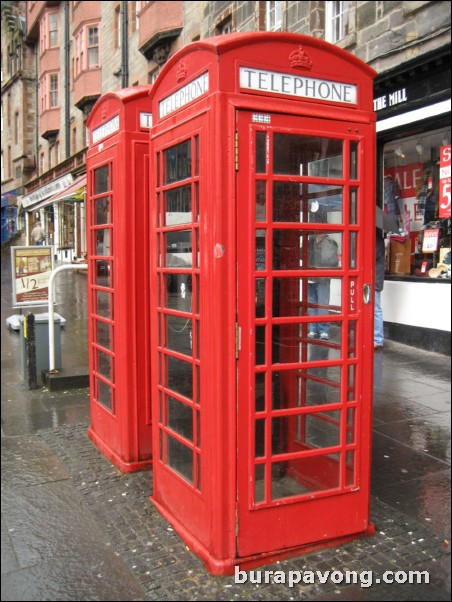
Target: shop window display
[[416, 193]]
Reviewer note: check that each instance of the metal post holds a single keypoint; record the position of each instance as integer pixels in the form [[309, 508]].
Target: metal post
[[77, 266], [30, 346]]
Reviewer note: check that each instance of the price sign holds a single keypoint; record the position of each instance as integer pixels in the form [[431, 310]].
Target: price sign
[[431, 240], [444, 181], [31, 270]]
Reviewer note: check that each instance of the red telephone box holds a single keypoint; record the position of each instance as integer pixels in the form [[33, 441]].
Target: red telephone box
[[118, 239], [262, 147]]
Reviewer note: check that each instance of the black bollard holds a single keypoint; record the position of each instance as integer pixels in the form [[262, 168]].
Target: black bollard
[[30, 348]]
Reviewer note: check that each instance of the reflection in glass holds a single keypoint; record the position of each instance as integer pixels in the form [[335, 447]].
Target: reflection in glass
[[351, 393], [180, 458], [322, 429], [353, 160], [102, 211], [178, 247], [353, 250], [260, 345], [260, 438], [261, 201], [260, 249], [178, 288], [259, 476], [352, 339], [178, 206], [261, 143], [103, 334], [290, 296], [104, 394], [353, 205], [104, 364], [310, 203], [103, 304], [179, 334], [260, 391], [101, 183], [178, 162], [179, 375], [103, 273], [305, 387], [289, 345], [306, 249], [307, 156], [304, 475], [103, 242], [260, 297], [180, 417]]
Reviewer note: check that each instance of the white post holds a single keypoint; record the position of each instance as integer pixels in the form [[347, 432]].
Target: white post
[[72, 266]]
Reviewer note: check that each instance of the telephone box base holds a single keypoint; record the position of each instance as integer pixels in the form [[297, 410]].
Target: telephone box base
[[217, 566], [123, 465]]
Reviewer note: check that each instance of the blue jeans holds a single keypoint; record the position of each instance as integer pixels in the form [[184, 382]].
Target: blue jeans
[[319, 294], [378, 321]]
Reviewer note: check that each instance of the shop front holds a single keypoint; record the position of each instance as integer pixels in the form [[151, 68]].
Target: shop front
[[412, 103]]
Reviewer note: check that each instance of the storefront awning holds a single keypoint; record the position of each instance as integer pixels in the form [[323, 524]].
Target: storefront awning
[[75, 193]]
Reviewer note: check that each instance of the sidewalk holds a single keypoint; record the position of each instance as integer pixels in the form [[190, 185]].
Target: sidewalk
[[75, 528]]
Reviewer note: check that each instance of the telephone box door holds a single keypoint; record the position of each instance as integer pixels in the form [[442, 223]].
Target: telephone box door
[[304, 373]]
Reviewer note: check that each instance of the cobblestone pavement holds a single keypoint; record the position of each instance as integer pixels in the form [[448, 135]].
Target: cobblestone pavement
[[75, 528]]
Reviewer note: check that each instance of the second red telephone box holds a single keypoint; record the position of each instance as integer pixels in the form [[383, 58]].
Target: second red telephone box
[[118, 238]]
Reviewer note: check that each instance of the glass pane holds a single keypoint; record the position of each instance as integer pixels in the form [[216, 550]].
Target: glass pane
[[260, 438], [353, 160], [101, 180], [289, 345], [300, 388], [196, 166], [353, 250], [353, 205], [307, 156], [178, 289], [180, 417], [102, 211], [179, 334], [260, 391], [104, 364], [103, 273], [259, 484], [104, 394], [351, 393], [322, 429], [179, 376], [303, 296], [304, 475], [350, 469], [178, 247], [261, 154], [305, 249], [104, 307], [260, 249], [102, 242], [103, 334], [178, 206], [313, 203], [352, 339], [180, 458], [178, 162], [260, 297], [261, 200], [351, 425]]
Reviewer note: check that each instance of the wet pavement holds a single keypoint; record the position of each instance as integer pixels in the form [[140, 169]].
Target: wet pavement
[[75, 528]]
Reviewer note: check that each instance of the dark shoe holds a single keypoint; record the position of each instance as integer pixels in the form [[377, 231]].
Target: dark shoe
[[378, 347]]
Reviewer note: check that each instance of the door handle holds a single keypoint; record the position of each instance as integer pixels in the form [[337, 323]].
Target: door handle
[[367, 294]]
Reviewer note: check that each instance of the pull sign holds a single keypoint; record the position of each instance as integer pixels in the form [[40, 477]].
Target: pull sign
[[352, 292]]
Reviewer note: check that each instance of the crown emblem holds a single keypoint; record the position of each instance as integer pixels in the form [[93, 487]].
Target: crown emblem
[[181, 71], [299, 58]]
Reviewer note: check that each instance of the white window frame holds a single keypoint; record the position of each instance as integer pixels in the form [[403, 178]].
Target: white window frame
[[82, 47], [337, 21], [273, 16]]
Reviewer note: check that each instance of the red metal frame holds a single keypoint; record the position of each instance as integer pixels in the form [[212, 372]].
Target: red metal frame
[[118, 251], [206, 485]]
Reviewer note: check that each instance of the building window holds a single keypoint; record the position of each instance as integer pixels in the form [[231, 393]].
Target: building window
[[86, 49], [49, 88], [336, 21], [48, 32], [53, 90], [274, 16], [224, 27]]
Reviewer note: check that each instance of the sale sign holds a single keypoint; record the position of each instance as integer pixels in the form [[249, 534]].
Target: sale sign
[[31, 270], [444, 181]]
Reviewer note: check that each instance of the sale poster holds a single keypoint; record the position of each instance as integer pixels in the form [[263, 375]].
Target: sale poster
[[31, 270]]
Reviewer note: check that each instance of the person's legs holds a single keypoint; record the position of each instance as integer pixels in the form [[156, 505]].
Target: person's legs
[[378, 321], [312, 311], [323, 295]]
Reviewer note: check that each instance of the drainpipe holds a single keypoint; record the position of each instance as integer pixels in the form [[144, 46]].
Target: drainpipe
[[67, 98], [124, 46]]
